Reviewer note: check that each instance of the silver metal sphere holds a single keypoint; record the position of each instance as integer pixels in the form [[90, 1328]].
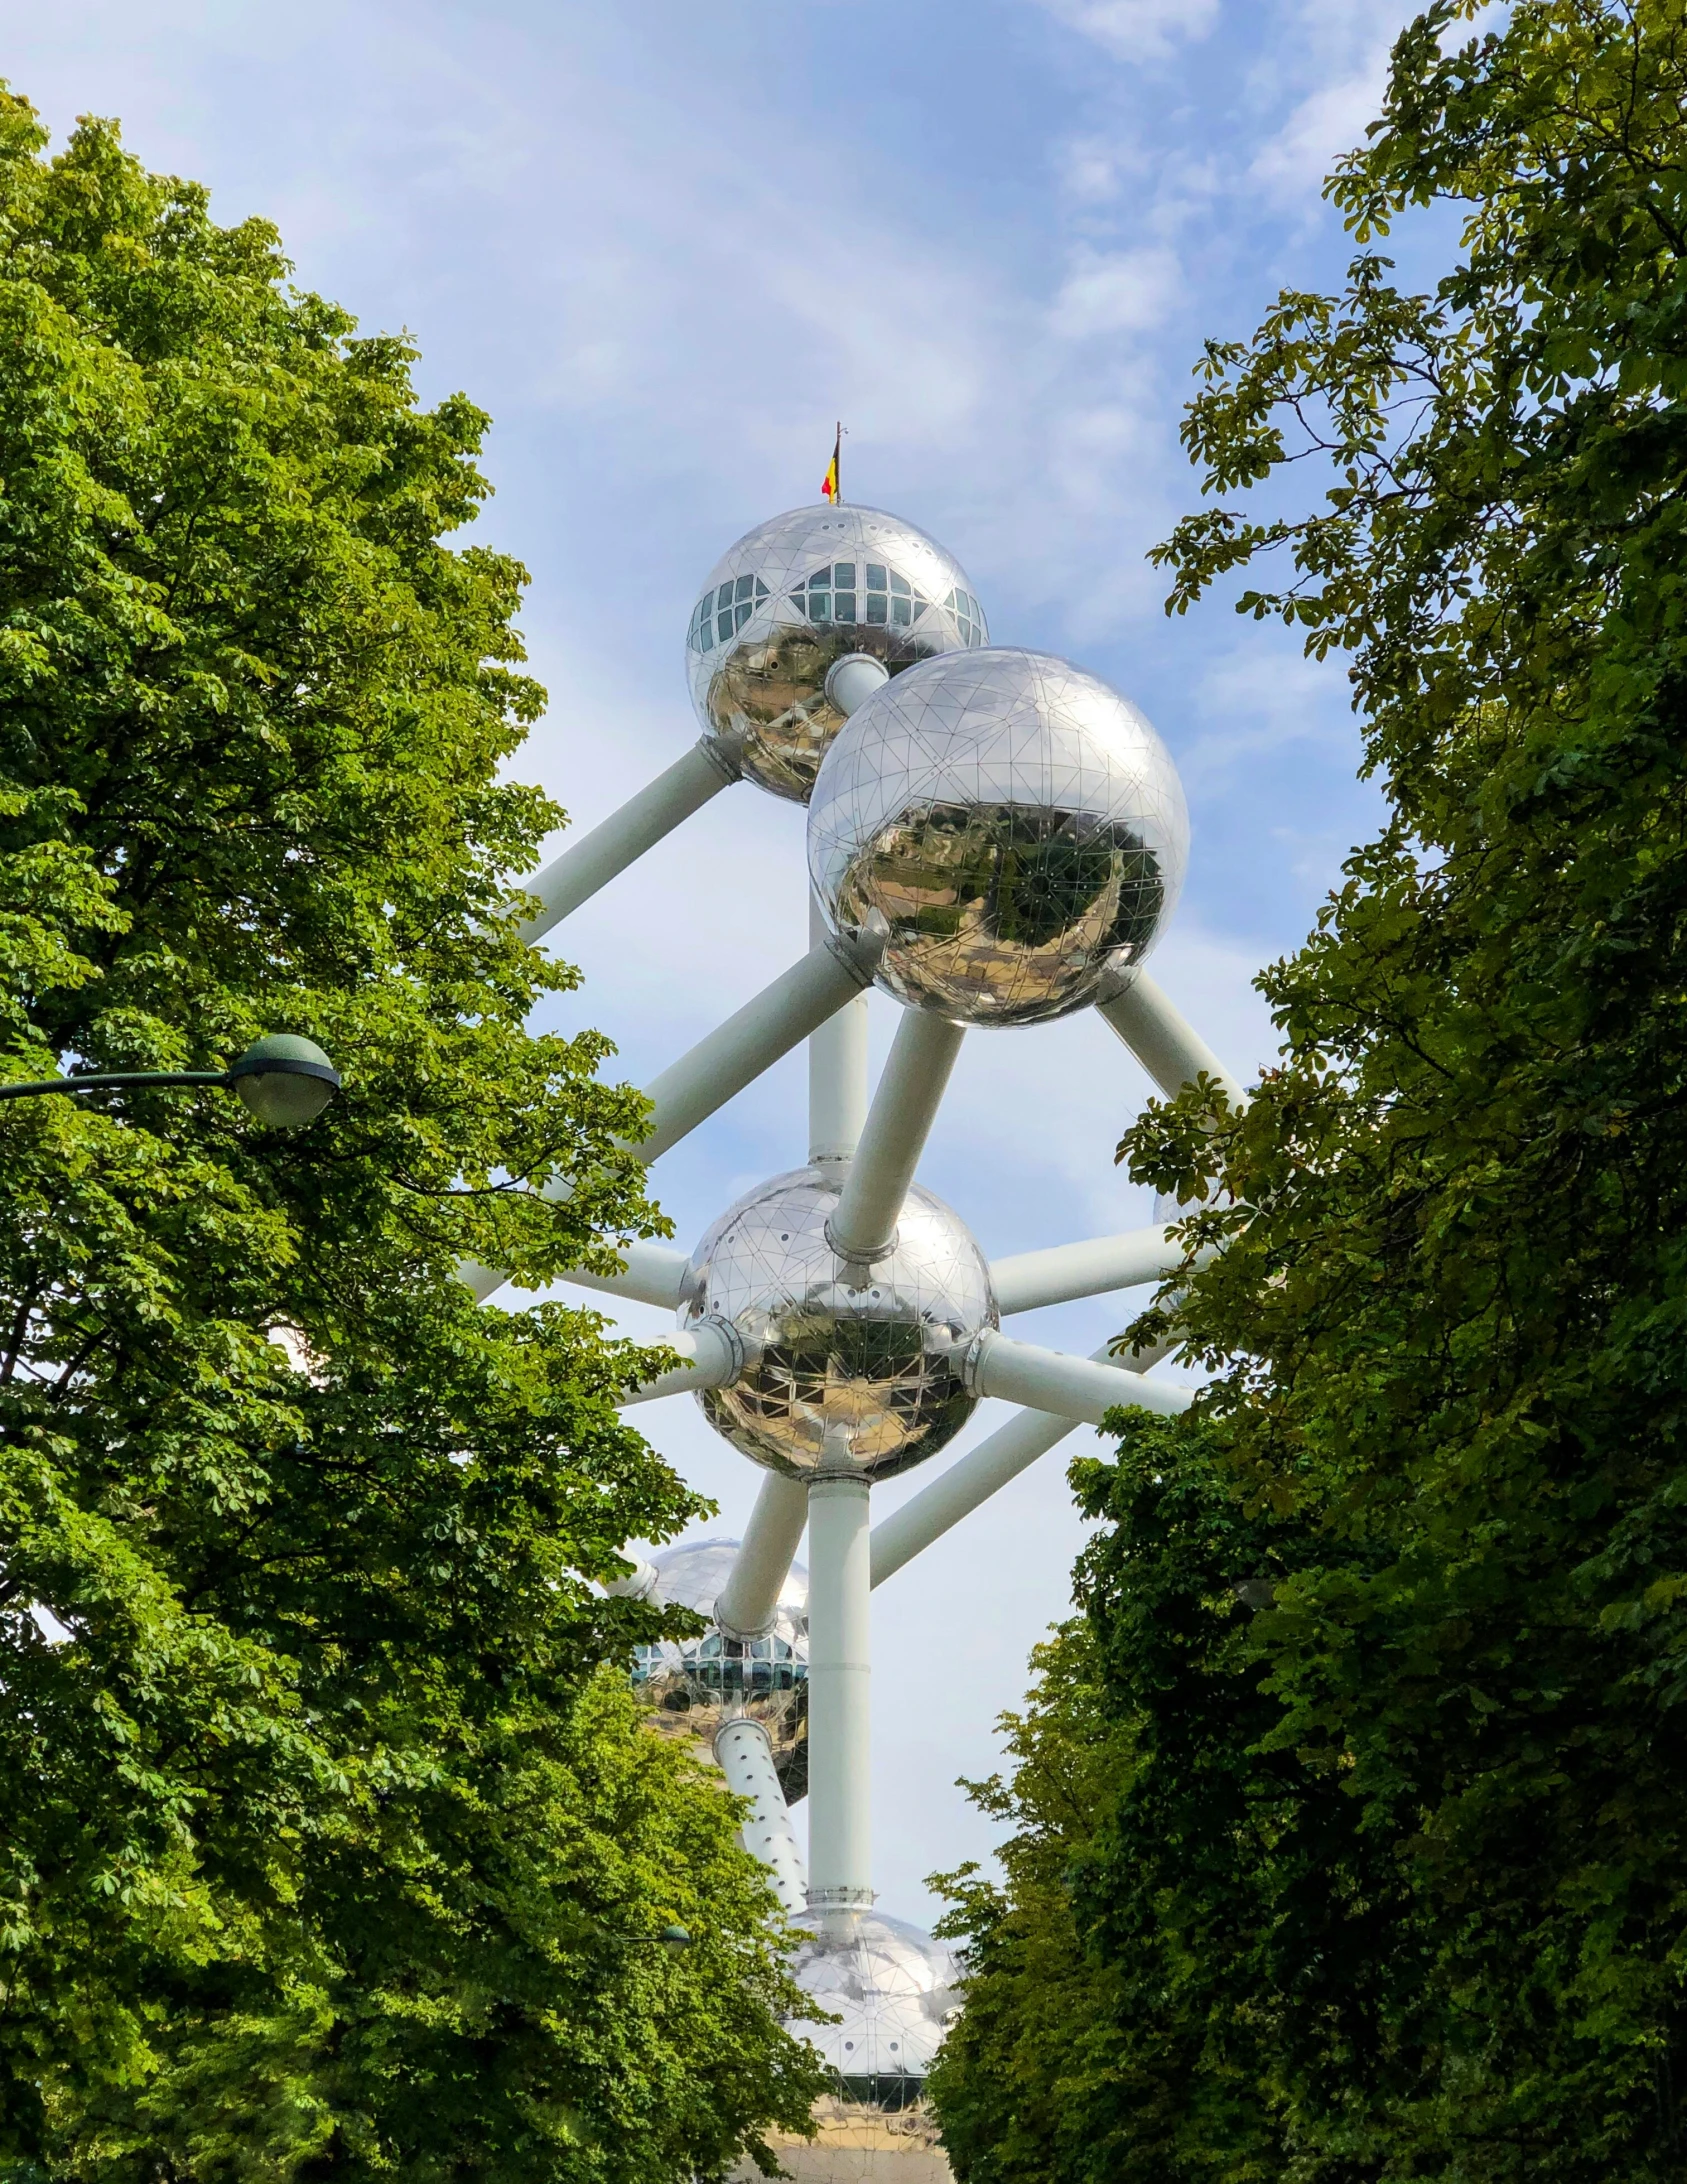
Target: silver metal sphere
[[892, 1988], [693, 1684], [1019, 825], [863, 1366], [792, 598]]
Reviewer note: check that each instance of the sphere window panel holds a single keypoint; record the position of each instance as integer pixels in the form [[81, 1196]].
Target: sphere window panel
[[969, 618], [723, 611], [824, 582]]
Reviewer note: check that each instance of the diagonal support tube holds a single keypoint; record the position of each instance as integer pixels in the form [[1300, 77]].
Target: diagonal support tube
[[714, 1354], [592, 862], [1171, 1050], [749, 1600], [1071, 1387], [733, 1055], [863, 1223], [652, 1274], [744, 1754], [837, 1073], [760, 1034], [1035, 1278], [983, 1471]]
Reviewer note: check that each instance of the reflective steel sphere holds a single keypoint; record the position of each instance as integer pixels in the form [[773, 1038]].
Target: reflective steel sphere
[[1019, 825], [861, 1364], [793, 597], [692, 1684], [893, 1989]]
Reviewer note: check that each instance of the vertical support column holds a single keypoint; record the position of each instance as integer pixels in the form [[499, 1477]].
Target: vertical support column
[[744, 1755], [840, 1572], [837, 1073]]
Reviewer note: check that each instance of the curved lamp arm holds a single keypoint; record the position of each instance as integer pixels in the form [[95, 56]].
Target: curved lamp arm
[[283, 1080]]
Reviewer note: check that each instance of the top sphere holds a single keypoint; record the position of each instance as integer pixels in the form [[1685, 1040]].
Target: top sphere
[[794, 596], [1018, 825]]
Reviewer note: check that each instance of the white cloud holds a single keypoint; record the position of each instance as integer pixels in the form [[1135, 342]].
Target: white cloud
[[1117, 292], [1259, 699], [1091, 170], [1329, 122], [1136, 29], [1339, 52]]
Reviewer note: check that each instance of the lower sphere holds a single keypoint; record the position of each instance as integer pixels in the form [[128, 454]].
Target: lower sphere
[[892, 1988], [858, 1366]]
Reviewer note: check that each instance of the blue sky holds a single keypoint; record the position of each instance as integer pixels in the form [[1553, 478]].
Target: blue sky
[[666, 246]]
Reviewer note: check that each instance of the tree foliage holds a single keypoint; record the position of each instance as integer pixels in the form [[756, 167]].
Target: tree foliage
[[1434, 1902], [328, 1840]]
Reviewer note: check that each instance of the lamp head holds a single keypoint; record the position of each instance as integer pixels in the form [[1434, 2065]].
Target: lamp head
[[284, 1081]]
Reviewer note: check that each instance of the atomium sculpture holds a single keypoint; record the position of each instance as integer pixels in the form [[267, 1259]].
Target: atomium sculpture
[[995, 838]]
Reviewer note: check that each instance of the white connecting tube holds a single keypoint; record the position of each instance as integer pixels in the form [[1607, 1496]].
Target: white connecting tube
[[652, 1274], [985, 1470], [764, 1030], [714, 1357], [840, 1813], [744, 1755], [1079, 1388], [837, 1073], [749, 1600], [1089, 1269], [592, 862], [863, 1223], [1169, 1048]]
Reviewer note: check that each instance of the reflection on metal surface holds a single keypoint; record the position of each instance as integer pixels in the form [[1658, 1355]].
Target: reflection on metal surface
[[861, 1363], [1018, 824], [893, 1989], [791, 599], [693, 1685]]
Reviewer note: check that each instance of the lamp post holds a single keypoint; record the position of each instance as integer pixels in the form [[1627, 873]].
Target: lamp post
[[283, 1080]]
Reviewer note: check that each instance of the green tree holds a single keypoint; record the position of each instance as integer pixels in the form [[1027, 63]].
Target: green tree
[[328, 1838], [1448, 1326]]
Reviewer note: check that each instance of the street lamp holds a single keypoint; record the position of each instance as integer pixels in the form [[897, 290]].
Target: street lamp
[[671, 1938], [283, 1080]]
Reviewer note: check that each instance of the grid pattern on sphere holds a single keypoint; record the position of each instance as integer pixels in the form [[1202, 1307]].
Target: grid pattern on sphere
[[1018, 824], [693, 1685], [790, 599], [863, 1364], [892, 1987]]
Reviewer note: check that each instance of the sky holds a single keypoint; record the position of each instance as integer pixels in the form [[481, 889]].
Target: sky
[[665, 247]]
